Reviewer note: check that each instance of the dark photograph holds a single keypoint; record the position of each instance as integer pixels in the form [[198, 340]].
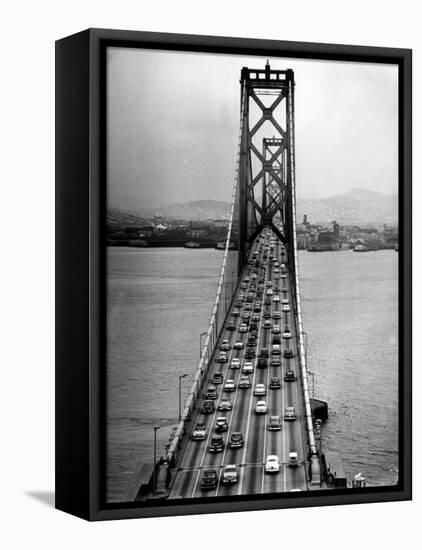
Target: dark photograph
[[252, 288]]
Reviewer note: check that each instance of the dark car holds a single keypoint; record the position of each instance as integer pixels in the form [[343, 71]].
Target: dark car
[[217, 378], [221, 424], [275, 384], [276, 339], [264, 353], [217, 444], [253, 326], [208, 407], [231, 326], [211, 393], [274, 423], [251, 343], [236, 440], [289, 376], [267, 302], [250, 353], [288, 353], [209, 480], [262, 363]]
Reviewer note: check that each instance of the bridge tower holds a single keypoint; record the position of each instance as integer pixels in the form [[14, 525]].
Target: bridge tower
[[266, 168]]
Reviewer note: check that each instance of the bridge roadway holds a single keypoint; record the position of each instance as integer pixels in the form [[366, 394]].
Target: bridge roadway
[[259, 442]]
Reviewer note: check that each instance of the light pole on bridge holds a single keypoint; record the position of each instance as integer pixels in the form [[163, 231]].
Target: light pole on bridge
[[154, 479], [200, 343], [180, 394]]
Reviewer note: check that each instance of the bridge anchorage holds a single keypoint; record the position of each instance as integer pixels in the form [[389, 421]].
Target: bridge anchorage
[[248, 423]]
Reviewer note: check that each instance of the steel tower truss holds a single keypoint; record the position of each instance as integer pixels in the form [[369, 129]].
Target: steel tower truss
[[266, 167]]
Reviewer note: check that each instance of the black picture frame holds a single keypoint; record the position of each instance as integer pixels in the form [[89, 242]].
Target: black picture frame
[[80, 276]]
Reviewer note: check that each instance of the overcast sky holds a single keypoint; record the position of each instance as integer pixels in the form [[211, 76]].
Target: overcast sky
[[173, 125]]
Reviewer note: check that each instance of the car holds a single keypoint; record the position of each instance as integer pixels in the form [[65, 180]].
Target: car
[[276, 289], [216, 444], [289, 413], [269, 291], [283, 276], [289, 376], [285, 301], [221, 424], [275, 362], [275, 384], [276, 339], [238, 345], [247, 367], [276, 349], [272, 464], [250, 353], [288, 353], [276, 298], [229, 386], [276, 329], [235, 363], [267, 315], [257, 308], [238, 303], [260, 389], [209, 480], [231, 326], [251, 343], [207, 407], [230, 474], [246, 316], [199, 433], [211, 393], [276, 315], [256, 318], [269, 284], [274, 423], [264, 353], [286, 308], [236, 440], [217, 378], [248, 307], [222, 357], [253, 327], [262, 363], [246, 280], [244, 383], [261, 407], [267, 302], [285, 289], [276, 270], [243, 327], [267, 324], [293, 459], [287, 333], [235, 313], [225, 405]]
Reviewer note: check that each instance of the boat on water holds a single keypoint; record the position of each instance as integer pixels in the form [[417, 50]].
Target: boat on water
[[191, 244], [221, 245], [360, 248]]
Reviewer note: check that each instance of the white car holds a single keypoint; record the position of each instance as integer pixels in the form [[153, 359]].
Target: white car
[[267, 323], [260, 389], [247, 368], [235, 363], [285, 301], [229, 385], [238, 345], [225, 345], [269, 291], [286, 307], [293, 459], [272, 464], [261, 407], [287, 334], [276, 329], [276, 298], [243, 327]]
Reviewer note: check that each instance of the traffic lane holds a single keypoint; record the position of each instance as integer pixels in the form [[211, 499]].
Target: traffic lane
[[253, 477]]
